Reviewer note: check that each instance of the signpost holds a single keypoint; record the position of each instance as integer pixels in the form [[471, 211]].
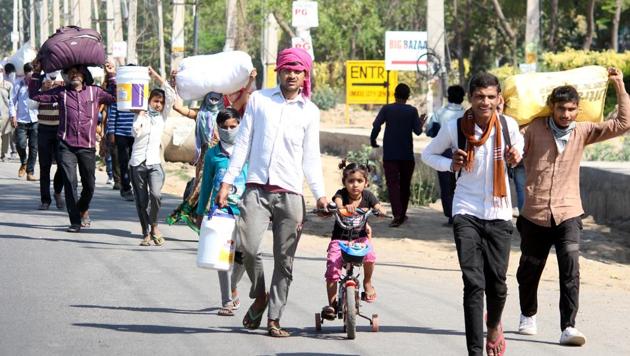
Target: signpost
[[305, 42], [403, 49], [305, 14], [368, 82]]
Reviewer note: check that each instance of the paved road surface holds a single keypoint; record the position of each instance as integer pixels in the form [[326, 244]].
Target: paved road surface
[[99, 293]]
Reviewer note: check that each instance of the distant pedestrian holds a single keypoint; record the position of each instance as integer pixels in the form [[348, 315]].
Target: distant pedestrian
[[484, 145], [552, 212], [79, 102], [401, 120], [26, 125], [7, 113], [48, 118], [439, 119]]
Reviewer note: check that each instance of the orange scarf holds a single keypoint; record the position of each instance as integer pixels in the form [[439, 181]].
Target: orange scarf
[[468, 129]]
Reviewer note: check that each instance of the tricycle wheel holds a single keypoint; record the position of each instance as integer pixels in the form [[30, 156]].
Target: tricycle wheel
[[318, 322]]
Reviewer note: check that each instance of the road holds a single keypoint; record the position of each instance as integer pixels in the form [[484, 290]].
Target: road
[[99, 293]]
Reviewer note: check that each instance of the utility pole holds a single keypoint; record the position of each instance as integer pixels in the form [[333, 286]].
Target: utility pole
[[532, 35], [21, 21], [110, 26], [269, 51], [31, 23], [55, 15], [195, 27], [15, 34], [66, 13], [43, 22], [96, 20], [132, 56], [435, 34], [231, 27], [177, 37], [161, 38]]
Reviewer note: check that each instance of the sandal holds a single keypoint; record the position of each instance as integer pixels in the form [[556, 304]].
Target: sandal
[[329, 313], [276, 331], [236, 303], [496, 348], [146, 241], [253, 318], [86, 221], [158, 240], [226, 310]]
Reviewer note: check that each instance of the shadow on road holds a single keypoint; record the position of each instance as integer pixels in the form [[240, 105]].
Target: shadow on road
[[206, 311], [59, 240]]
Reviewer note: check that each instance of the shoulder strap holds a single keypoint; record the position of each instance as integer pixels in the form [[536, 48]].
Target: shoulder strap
[[506, 133], [461, 139]]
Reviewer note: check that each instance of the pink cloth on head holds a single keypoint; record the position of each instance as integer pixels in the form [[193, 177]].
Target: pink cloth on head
[[300, 60]]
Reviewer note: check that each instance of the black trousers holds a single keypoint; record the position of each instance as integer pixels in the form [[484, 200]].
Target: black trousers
[[124, 145], [85, 159], [398, 175], [536, 241], [47, 147], [483, 249], [447, 182]]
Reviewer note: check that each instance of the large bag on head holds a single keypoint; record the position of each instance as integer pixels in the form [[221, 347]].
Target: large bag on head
[[216, 240], [526, 94], [224, 73], [70, 46]]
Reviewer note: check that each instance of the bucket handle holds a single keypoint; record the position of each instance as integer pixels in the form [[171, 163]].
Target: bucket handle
[[215, 207]]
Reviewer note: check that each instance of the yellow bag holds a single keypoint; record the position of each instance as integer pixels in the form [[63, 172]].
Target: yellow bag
[[526, 94]]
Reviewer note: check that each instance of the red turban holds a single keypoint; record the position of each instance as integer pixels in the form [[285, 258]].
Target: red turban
[[297, 59]]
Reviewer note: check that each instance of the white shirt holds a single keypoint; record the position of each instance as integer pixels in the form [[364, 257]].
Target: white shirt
[[280, 140], [473, 193], [147, 132]]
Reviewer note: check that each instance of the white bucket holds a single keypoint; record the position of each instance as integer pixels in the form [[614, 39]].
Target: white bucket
[[216, 242], [132, 88]]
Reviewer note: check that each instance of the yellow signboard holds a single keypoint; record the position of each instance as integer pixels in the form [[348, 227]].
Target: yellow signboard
[[366, 82]]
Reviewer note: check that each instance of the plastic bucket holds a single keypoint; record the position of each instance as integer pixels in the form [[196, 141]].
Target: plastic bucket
[[132, 88], [216, 244]]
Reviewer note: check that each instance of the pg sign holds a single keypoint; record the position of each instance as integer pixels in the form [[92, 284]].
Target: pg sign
[[366, 82], [304, 42], [304, 14], [404, 48]]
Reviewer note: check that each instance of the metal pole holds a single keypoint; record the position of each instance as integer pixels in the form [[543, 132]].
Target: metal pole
[[387, 89], [161, 38], [15, 34], [195, 28]]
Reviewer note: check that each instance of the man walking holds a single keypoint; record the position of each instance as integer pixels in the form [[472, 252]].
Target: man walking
[[401, 120], [281, 125], [25, 124], [452, 110], [484, 144], [7, 114], [552, 212], [48, 118], [79, 102]]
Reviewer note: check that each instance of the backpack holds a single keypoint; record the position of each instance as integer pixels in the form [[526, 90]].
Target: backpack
[[70, 46], [461, 141]]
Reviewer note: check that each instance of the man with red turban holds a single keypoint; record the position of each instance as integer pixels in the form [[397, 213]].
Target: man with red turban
[[279, 135]]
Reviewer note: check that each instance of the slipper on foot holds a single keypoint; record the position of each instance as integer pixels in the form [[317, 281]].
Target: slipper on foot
[[276, 331]]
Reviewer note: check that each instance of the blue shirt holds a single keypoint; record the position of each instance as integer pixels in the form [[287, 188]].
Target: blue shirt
[[444, 115], [25, 108], [400, 121], [215, 165], [119, 123]]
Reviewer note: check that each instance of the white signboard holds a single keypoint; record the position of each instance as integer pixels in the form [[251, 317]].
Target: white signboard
[[305, 42], [403, 50], [119, 49], [305, 14]]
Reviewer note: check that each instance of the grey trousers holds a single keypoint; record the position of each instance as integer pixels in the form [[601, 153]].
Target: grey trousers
[[286, 212], [147, 184], [228, 280]]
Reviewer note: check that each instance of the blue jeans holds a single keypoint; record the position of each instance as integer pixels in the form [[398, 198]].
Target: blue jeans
[[519, 185], [26, 137]]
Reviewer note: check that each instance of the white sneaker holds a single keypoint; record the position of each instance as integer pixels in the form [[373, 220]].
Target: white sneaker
[[527, 325], [110, 181], [572, 337]]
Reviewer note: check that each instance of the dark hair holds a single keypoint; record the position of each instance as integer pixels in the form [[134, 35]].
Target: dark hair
[[9, 68], [483, 80], [28, 68], [157, 92], [351, 168], [402, 91], [563, 94], [456, 94], [226, 114]]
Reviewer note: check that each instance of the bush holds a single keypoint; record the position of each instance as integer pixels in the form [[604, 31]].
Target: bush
[[325, 97], [606, 151]]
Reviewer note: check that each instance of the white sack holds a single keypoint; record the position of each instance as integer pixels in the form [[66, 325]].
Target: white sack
[[24, 55], [224, 73]]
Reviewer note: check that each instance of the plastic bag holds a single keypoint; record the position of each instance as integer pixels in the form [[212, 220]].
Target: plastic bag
[[526, 94], [24, 55], [216, 240], [224, 72]]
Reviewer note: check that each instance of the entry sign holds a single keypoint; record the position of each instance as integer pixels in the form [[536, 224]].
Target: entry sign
[[305, 42], [366, 82], [305, 14], [404, 48]]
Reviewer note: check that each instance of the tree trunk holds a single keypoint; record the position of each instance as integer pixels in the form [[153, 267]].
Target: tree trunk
[[553, 29], [283, 24], [590, 26], [160, 15], [614, 34], [507, 29], [231, 26], [459, 43]]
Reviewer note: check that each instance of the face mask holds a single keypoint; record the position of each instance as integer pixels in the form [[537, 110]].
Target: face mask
[[152, 112], [228, 136]]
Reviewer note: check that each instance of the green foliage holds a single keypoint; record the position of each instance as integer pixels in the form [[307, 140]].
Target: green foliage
[[325, 97], [424, 186], [606, 151]]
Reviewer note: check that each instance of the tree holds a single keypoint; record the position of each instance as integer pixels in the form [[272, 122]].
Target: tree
[[590, 22], [614, 32]]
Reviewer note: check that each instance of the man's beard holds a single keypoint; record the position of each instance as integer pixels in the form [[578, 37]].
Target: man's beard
[[76, 83]]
